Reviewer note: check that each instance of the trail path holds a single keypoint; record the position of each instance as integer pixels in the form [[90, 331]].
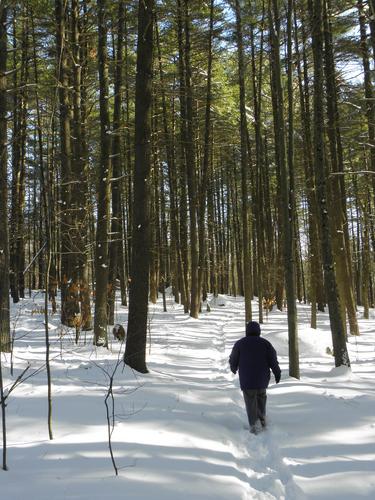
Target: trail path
[[203, 438], [180, 431]]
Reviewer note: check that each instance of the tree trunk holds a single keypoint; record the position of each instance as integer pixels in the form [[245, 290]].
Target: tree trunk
[[258, 203], [42, 212], [17, 240], [175, 252], [371, 4], [104, 191], [314, 263], [116, 248], [191, 170], [85, 289], [155, 223], [337, 188], [286, 174], [369, 94], [366, 262], [69, 292], [206, 159], [135, 353], [336, 321], [246, 250], [4, 232], [212, 250], [183, 237], [79, 290]]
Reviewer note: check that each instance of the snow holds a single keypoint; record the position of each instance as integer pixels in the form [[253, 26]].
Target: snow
[[180, 430]]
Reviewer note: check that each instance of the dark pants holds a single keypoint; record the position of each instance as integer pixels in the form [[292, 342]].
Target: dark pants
[[255, 401]]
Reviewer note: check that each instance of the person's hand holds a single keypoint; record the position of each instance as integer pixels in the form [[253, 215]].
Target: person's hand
[[277, 378]]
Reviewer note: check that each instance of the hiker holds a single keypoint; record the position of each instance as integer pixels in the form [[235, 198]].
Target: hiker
[[254, 357]]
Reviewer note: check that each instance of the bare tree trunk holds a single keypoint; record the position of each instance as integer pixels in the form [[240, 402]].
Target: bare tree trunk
[[211, 237], [369, 94], [85, 289], [259, 184], [246, 250], [191, 170], [104, 191], [206, 158], [135, 353], [164, 247], [126, 200], [366, 262], [336, 321], [183, 237], [69, 294], [155, 223], [286, 173], [4, 232], [78, 300], [116, 248], [315, 273], [337, 187], [17, 240], [175, 252]]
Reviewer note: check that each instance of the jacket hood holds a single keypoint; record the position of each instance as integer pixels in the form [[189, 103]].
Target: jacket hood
[[252, 329]]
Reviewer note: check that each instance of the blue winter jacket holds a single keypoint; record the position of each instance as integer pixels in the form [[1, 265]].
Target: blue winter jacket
[[254, 357]]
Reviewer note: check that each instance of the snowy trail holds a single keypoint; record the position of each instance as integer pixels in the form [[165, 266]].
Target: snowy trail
[[180, 430], [263, 462], [255, 460]]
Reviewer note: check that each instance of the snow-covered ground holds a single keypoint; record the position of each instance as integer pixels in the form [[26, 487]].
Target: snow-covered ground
[[180, 430]]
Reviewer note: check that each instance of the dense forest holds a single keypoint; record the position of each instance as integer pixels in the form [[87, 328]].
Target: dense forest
[[199, 147]]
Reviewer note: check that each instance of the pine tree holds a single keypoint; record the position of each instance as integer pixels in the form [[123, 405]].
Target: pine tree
[[4, 232], [135, 353]]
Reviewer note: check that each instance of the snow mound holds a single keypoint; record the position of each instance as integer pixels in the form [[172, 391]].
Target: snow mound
[[341, 373], [218, 301], [312, 343]]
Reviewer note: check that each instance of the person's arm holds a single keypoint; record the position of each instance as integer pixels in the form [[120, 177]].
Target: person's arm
[[234, 358], [273, 363]]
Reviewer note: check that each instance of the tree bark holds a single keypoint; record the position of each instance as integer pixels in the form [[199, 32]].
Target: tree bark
[[258, 199], [4, 231], [135, 353], [182, 180], [175, 251], [246, 250], [336, 185], [366, 260], [206, 161], [336, 321], [191, 170], [314, 261], [17, 240], [369, 94], [104, 191], [69, 293], [116, 248], [286, 173], [371, 4]]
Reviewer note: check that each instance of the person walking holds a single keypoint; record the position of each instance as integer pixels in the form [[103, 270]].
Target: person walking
[[254, 357]]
